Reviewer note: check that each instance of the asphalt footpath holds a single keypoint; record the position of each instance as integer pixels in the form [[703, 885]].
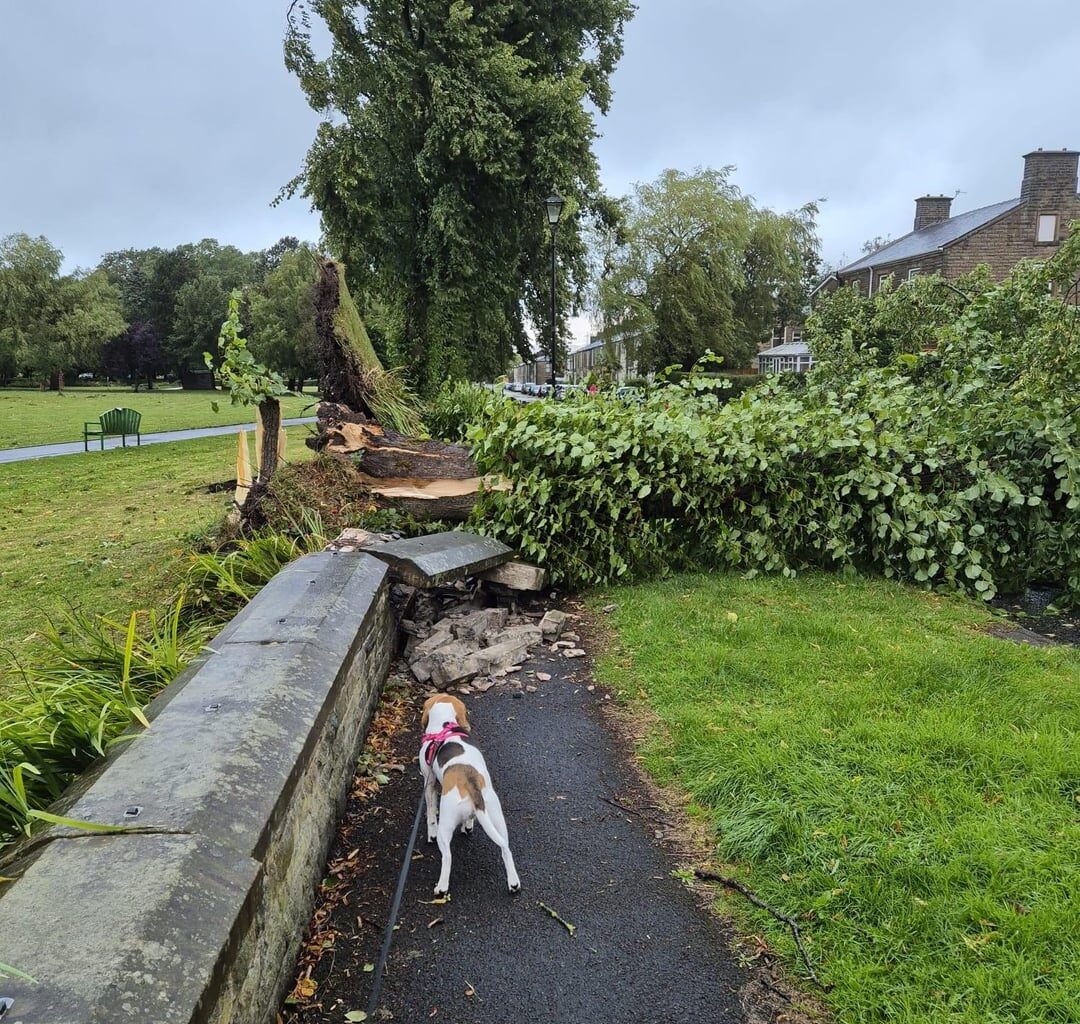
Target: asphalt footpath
[[641, 950]]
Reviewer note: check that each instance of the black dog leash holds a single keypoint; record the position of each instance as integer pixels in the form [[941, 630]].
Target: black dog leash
[[391, 921]]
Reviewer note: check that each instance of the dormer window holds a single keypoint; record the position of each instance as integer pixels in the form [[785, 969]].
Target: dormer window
[[1047, 228]]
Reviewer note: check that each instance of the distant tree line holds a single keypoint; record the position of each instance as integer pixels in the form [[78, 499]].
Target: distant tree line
[[142, 314]]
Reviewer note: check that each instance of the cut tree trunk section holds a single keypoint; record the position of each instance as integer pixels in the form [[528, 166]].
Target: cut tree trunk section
[[427, 479]]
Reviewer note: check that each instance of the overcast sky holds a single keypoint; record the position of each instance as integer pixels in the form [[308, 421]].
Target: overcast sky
[[139, 123]]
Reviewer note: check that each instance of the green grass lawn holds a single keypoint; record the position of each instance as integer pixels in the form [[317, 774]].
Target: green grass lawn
[[868, 756], [109, 530], [44, 417]]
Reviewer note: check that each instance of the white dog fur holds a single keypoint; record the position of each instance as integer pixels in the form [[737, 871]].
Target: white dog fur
[[467, 793]]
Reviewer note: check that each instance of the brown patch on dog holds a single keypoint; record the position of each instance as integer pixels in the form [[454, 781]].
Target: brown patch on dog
[[448, 751], [460, 712], [467, 781]]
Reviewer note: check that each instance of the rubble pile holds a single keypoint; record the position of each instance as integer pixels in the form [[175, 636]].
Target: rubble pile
[[466, 611], [484, 644]]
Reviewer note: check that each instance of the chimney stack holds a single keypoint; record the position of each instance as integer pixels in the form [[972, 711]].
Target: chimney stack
[[1050, 175], [931, 210]]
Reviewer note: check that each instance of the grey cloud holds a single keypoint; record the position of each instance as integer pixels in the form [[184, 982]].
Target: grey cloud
[[140, 123]]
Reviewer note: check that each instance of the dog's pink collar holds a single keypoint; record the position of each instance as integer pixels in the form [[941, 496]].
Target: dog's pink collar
[[435, 740]]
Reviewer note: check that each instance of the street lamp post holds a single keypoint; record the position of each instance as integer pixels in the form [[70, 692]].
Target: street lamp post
[[554, 205]]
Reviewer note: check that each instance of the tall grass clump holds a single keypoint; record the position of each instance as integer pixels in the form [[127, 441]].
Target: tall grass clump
[[91, 676], [89, 682]]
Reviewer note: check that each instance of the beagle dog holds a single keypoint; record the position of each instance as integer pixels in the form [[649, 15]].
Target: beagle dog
[[448, 760]]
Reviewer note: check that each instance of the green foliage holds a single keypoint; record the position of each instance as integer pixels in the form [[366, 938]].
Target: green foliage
[[248, 382], [963, 476], [224, 581], [88, 684], [29, 270], [196, 320], [283, 316], [696, 266], [457, 405], [444, 128], [847, 331], [870, 761], [51, 324]]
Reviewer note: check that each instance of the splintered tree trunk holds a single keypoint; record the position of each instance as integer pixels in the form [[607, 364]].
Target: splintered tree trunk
[[345, 350], [270, 416]]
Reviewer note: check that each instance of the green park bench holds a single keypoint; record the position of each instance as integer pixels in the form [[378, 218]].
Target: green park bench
[[114, 423]]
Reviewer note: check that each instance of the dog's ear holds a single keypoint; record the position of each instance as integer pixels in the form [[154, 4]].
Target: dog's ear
[[428, 705], [460, 712]]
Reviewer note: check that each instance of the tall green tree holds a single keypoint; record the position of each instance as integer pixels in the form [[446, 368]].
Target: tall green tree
[[445, 125], [697, 266], [200, 307], [282, 316], [82, 313], [132, 271], [29, 270]]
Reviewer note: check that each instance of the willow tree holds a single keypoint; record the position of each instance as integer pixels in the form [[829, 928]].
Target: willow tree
[[444, 127], [698, 267]]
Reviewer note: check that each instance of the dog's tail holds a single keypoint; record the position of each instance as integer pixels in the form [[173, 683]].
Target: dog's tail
[[489, 828]]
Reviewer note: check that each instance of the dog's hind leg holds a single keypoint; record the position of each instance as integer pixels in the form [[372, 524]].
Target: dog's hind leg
[[494, 824], [448, 822], [431, 796]]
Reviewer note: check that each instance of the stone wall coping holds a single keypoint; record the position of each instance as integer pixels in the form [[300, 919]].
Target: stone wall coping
[[140, 926]]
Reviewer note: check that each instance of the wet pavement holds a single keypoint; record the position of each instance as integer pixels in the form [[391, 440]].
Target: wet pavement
[[642, 949], [46, 451]]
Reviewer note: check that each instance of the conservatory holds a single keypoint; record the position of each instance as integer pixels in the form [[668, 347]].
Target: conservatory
[[791, 357]]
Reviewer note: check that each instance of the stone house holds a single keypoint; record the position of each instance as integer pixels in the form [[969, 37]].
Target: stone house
[[1031, 226]]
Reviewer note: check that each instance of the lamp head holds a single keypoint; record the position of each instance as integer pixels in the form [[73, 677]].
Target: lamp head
[[554, 205]]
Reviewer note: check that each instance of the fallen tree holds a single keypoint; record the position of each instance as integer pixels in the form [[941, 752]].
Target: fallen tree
[[428, 479], [369, 418]]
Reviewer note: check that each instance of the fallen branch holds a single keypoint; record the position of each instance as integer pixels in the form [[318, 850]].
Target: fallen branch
[[571, 928], [655, 818], [753, 897]]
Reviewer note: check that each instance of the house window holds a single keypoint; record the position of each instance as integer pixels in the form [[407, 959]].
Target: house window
[[914, 272], [796, 334], [1047, 229]]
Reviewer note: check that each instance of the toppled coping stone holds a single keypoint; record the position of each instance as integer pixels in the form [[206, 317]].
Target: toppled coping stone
[[239, 780], [441, 557]]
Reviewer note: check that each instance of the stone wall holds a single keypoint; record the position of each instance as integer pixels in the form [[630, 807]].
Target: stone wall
[[1010, 239], [235, 792]]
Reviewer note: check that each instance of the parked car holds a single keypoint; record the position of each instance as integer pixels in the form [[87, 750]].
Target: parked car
[[629, 394], [565, 391]]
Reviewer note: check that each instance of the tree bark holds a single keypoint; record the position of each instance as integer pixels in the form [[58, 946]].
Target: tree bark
[[343, 377], [270, 414]]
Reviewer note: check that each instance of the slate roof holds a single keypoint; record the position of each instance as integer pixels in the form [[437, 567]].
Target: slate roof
[[937, 236]]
